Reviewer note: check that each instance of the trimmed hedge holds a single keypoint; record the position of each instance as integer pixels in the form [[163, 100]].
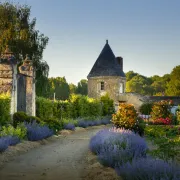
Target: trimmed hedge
[[76, 106], [5, 102]]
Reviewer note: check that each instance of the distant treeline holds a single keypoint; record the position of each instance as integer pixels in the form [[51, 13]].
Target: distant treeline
[[169, 84], [59, 87]]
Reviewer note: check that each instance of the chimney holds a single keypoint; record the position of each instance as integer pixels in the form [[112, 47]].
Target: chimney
[[120, 62]]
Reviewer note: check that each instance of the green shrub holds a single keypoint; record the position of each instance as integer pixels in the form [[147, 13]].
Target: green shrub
[[178, 114], [160, 131], [20, 131], [19, 117], [53, 123], [84, 108], [146, 108], [139, 126], [125, 117], [69, 121], [44, 108], [166, 138], [162, 109], [76, 106], [175, 120], [5, 102], [30, 119], [62, 109], [95, 108], [107, 105]]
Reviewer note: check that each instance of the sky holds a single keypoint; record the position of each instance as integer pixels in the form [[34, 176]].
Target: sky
[[146, 33]]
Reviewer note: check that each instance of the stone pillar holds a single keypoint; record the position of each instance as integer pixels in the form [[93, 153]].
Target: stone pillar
[[27, 70], [8, 77]]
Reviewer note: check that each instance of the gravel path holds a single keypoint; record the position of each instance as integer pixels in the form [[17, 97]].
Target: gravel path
[[64, 159]]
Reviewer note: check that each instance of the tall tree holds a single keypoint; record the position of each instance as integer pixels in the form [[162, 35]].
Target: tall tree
[[139, 84], [173, 87], [82, 87], [60, 87], [20, 34], [72, 88], [130, 75]]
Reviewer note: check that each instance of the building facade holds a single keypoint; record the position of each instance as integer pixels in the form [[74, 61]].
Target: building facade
[[107, 76]]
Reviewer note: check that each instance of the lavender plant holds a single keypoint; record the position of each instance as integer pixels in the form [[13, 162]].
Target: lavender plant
[[12, 140], [117, 147], [3, 144], [149, 169], [69, 126], [105, 121], [37, 132], [6, 141], [82, 124]]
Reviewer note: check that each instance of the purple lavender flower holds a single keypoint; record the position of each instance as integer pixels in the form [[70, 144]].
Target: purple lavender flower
[[83, 124], [149, 169], [13, 140], [105, 121], [113, 148], [8, 141], [37, 132], [69, 126], [3, 144]]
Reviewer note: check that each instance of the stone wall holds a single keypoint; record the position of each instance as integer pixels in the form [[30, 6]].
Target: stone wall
[[111, 84], [6, 78]]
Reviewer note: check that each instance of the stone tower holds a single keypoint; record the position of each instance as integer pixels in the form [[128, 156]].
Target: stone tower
[[107, 76]]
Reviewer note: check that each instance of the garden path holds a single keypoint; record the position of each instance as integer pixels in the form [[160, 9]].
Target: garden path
[[64, 159]]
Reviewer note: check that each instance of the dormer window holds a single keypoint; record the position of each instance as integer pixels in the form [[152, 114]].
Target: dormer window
[[102, 86]]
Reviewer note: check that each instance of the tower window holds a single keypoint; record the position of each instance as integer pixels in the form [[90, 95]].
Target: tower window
[[102, 85], [121, 88]]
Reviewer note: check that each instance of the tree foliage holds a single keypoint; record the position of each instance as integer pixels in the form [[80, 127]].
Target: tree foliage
[[72, 88], [173, 87], [60, 87], [167, 84], [82, 87], [19, 32]]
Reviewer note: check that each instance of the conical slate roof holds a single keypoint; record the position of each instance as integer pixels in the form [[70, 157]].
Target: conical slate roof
[[106, 64]]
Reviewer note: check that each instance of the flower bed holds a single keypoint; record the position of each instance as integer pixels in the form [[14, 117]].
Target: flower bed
[[8, 141], [167, 140], [33, 131], [37, 132], [127, 153]]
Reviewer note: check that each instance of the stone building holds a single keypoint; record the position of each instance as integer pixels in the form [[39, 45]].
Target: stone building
[[107, 76]]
